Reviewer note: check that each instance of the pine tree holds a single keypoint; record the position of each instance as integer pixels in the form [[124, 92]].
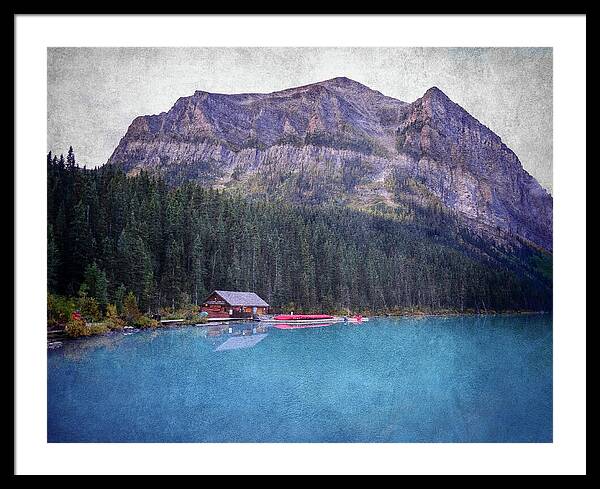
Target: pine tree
[[198, 270], [173, 271], [70, 158], [81, 242], [53, 261], [96, 284], [119, 298], [148, 287]]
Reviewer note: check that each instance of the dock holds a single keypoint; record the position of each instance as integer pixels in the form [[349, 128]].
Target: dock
[[210, 320]]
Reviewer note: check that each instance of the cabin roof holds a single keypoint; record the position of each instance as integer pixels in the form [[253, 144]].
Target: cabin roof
[[241, 298]]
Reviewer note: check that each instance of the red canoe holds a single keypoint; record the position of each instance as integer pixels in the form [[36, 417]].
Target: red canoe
[[300, 317]]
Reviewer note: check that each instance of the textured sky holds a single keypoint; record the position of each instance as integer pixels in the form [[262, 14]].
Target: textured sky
[[95, 93]]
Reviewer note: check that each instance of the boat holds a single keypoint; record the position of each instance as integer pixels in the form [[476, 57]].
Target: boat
[[301, 319], [356, 319]]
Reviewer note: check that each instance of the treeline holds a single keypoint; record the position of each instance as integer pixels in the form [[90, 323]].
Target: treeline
[[109, 235]]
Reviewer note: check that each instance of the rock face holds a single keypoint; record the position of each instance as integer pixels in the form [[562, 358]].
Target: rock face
[[340, 141]]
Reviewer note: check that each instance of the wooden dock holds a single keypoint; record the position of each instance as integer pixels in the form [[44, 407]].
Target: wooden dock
[[210, 320]]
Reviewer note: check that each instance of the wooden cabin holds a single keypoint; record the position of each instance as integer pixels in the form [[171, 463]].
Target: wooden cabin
[[228, 304]]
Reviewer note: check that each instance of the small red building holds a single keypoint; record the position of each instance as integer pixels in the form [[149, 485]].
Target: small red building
[[229, 304]]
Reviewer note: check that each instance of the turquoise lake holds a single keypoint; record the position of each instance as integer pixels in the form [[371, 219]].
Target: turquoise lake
[[434, 379]]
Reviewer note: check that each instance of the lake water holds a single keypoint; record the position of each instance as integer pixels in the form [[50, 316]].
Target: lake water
[[442, 379]]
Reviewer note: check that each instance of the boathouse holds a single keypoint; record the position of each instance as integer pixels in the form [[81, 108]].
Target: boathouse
[[228, 304]]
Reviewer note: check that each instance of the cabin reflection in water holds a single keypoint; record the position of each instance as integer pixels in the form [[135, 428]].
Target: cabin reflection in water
[[239, 342], [233, 330], [237, 335]]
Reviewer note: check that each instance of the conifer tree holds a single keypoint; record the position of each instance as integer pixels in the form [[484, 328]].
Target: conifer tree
[[119, 298], [96, 284], [53, 260]]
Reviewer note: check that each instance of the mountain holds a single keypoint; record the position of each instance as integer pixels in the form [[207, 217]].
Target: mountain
[[342, 142]]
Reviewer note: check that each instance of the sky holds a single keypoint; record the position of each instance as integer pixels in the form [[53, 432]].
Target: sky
[[95, 93]]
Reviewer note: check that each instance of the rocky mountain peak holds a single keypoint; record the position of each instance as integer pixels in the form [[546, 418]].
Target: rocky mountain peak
[[344, 82], [350, 143], [337, 82], [435, 92]]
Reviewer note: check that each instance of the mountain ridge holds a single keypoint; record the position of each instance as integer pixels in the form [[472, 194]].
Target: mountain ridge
[[339, 140]]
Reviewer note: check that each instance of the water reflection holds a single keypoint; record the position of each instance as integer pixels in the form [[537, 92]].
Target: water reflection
[[239, 342], [239, 335], [220, 337], [79, 348], [302, 326], [232, 329]]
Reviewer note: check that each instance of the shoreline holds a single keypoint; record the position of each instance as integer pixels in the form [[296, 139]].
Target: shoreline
[[463, 313], [56, 337]]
